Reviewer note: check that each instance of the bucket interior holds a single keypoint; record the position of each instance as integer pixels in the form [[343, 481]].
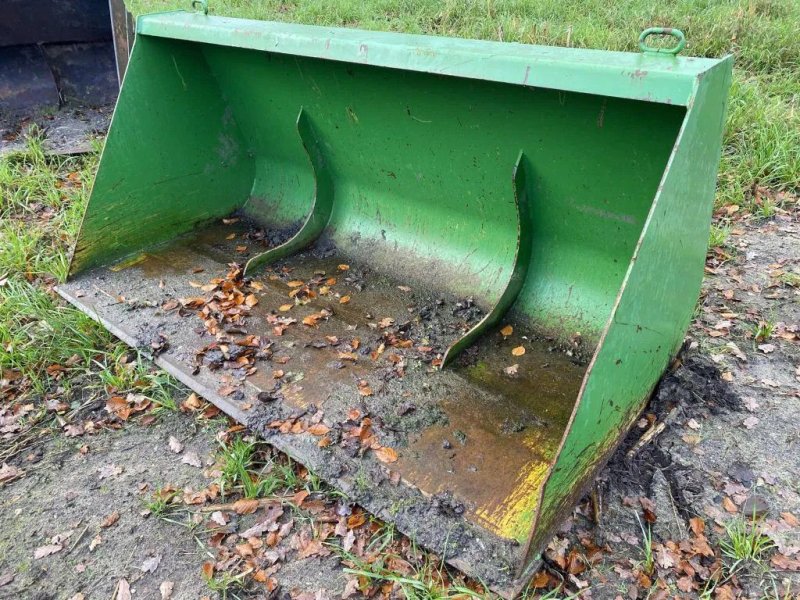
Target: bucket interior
[[424, 217]]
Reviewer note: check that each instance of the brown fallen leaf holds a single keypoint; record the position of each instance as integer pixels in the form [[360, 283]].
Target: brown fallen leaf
[[518, 351], [191, 459], [151, 564], [175, 445], [110, 520], [107, 471], [245, 506], [285, 307], [386, 454], [785, 563], [729, 505], [166, 588], [47, 550], [208, 570], [318, 429], [344, 299], [364, 389], [507, 331], [9, 472], [343, 267], [118, 406], [123, 590]]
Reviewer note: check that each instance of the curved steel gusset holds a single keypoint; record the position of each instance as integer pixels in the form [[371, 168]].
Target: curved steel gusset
[[321, 207], [519, 271]]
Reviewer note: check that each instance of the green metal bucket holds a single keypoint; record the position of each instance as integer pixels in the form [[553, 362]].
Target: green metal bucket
[[399, 201]]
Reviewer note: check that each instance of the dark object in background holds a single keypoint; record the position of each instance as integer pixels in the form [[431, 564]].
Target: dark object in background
[[54, 53]]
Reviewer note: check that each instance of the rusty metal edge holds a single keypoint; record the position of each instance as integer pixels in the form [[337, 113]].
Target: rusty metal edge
[[510, 592]]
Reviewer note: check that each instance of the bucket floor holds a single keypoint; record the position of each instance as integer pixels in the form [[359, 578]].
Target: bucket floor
[[474, 441]]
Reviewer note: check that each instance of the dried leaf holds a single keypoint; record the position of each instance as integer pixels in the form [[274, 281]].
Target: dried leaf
[[318, 429], [9, 472], [245, 506], [386, 454], [344, 299], [110, 520], [507, 331], [191, 459], [111, 470], [123, 590], [151, 564], [175, 445], [166, 588], [47, 550], [518, 351]]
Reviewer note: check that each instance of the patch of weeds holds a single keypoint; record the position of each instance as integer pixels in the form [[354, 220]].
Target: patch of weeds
[[226, 584], [763, 330], [246, 469], [718, 236], [789, 278], [160, 503], [382, 538], [237, 460], [121, 373], [425, 581], [764, 209], [36, 333], [41, 201], [744, 542], [361, 480], [648, 559]]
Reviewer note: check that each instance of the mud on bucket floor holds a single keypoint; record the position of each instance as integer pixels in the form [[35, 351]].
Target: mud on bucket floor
[[336, 365]]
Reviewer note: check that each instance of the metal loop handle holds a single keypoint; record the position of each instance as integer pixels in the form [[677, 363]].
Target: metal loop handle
[[676, 33], [203, 4]]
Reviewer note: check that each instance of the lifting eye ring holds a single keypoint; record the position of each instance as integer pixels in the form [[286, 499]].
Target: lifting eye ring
[[676, 33], [203, 4]]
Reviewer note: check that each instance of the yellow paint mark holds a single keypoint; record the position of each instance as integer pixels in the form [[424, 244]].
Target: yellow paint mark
[[512, 517], [129, 262]]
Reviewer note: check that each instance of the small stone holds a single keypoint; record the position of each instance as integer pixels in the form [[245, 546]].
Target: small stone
[[755, 507]]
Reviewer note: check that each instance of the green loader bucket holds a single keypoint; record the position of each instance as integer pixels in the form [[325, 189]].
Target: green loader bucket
[[444, 275]]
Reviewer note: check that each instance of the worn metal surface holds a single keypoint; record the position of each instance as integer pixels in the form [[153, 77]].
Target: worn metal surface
[[53, 21], [123, 31], [25, 79], [418, 139], [68, 52]]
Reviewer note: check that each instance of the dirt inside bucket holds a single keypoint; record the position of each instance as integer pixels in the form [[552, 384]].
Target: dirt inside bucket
[[336, 364]]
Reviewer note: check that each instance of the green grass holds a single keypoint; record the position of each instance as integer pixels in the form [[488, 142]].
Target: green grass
[[423, 582], [763, 129], [37, 332], [42, 199], [744, 542], [248, 468], [41, 204]]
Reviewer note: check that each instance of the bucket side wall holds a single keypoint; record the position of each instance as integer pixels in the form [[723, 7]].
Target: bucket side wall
[[654, 309], [173, 159]]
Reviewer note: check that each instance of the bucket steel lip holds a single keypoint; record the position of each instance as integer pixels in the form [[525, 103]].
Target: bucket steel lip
[[636, 76]]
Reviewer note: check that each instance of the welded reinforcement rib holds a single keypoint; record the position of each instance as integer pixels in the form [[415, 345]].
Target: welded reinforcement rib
[[519, 270], [321, 205]]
